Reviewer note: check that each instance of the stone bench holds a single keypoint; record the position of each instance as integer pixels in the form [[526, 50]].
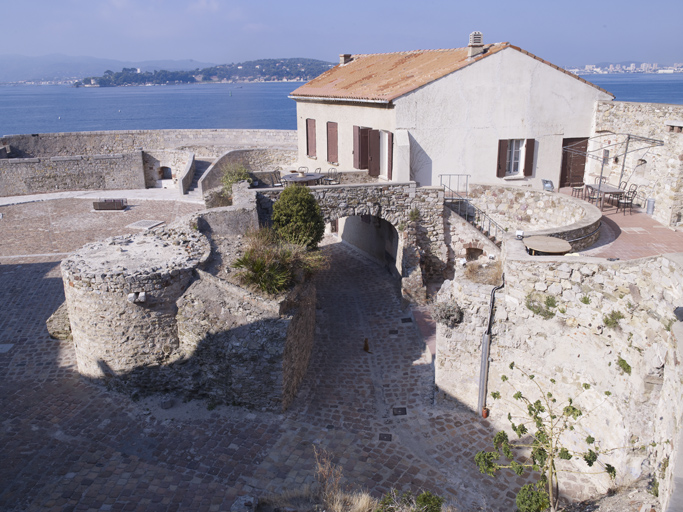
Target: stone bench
[[110, 204]]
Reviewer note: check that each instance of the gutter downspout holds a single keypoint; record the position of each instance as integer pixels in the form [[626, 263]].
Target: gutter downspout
[[485, 348]]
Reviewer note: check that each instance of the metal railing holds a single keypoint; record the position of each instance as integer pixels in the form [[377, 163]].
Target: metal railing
[[468, 211], [447, 181]]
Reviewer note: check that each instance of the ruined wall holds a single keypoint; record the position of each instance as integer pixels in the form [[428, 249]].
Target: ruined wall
[[657, 171], [576, 345], [20, 176], [212, 143]]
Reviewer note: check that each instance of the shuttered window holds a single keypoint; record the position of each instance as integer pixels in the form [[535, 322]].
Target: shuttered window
[[390, 155], [332, 143], [361, 138], [515, 157], [310, 137]]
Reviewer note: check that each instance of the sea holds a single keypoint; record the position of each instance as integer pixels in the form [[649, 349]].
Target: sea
[[26, 109]]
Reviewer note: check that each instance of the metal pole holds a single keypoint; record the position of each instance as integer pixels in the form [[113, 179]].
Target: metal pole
[[485, 347], [623, 161]]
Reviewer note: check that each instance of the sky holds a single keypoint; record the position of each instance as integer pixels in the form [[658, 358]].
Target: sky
[[571, 33]]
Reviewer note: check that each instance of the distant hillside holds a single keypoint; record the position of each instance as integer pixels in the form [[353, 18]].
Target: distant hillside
[[265, 70], [19, 68]]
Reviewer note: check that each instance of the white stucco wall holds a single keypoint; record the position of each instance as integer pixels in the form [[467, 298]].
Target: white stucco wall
[[455, 122], [346, 116]]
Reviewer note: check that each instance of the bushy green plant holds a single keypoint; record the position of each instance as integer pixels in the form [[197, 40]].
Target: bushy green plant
[[414, 215], [585, 299], [272, 265], [611, 319], [297, 217], [232, 173], [540, 433], [393, 501], [538, 308], [625, 367]]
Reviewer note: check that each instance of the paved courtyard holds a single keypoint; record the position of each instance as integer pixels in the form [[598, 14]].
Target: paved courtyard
[[69, 444]]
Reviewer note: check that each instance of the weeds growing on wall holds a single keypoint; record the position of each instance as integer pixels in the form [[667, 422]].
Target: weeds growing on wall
[[232, 173], [543, 422], [273, 265], [541, 308], [447, 313], [612, 318]]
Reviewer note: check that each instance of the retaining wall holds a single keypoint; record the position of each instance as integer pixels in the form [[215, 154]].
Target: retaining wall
[[20, 176], [657, 171], [540, 213]]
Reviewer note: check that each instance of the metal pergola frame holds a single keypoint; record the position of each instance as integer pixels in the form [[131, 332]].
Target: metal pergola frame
[[632, 144]]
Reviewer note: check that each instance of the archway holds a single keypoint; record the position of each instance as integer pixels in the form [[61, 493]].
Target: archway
[[376, 237]]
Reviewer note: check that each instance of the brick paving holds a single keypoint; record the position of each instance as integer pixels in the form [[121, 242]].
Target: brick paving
[[69, 444], [632, 235]]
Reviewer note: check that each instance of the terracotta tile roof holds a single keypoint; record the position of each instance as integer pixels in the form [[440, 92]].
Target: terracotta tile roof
[[383, 77]]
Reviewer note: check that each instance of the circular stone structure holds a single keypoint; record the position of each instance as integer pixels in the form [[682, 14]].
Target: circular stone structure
[[121, 295]]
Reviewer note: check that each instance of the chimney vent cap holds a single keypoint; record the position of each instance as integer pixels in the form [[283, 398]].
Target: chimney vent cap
[[476, 39]]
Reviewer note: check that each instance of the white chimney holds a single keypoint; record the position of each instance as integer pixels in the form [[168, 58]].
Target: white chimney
[[476, 46]]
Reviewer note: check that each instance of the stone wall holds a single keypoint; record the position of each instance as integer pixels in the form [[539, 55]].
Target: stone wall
[[180, 162], [254, 160], [20, 176], [657, 171], [539, 213], [211, 143], [146, 318], [392, 202], [576, 345]]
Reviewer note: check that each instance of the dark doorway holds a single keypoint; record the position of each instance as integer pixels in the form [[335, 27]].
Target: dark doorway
[[375, 237], [166, 173], [374, 150], [573, 164]]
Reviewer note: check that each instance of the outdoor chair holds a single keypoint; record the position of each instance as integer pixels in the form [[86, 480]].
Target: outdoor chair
[[592, 195], [332, 177], [578, 190], [319, 181], [303, 169], [275, 181], [627, 201]]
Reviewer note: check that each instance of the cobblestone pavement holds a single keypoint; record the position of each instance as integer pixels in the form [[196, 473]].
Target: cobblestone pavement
[[69, 444]]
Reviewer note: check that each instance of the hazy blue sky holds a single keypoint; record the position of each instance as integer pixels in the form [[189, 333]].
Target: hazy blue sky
[[566, 33]]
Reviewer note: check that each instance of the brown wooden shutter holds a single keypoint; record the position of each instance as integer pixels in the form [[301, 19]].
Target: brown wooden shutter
[[390, 155], [360, 147], [373, 152], [310, 137], [529, 157], [502, 158], [356, 147], [332, 143]]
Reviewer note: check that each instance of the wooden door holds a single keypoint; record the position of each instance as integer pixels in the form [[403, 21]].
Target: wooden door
[[360, 147], [573, 163], [374, 151]]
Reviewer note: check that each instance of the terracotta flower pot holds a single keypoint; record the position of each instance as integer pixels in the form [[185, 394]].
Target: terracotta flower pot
[[484, 413]]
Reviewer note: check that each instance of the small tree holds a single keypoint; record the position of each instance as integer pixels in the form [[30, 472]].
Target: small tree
[[297, 217], [539, 445]]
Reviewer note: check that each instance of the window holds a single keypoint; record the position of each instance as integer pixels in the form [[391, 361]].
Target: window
[[310, 138], [332, 143], [515, 156]]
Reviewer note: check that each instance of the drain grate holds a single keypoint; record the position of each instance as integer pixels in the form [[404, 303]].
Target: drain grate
[[145, 224], [385, 437], [406, 320], [399, 411]]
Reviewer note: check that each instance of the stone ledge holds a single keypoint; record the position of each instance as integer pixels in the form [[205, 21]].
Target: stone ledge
[[74, 158]]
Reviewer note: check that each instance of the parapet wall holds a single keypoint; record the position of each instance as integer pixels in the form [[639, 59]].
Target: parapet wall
[[658, 171], [211, 143], [540, 213], [20, 176]]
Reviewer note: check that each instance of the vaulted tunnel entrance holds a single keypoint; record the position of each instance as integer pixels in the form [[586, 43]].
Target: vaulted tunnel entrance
[[376, 237]]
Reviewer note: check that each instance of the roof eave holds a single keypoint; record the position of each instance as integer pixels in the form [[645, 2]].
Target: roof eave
[[344, 100]]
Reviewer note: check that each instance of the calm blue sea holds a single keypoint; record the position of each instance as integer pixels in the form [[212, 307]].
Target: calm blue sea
[[59, 108]]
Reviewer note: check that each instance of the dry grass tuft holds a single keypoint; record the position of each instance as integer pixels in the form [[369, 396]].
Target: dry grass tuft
[[484, 273]]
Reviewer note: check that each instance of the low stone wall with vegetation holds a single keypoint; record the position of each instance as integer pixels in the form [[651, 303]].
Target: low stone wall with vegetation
[[21, 176], [608, 325], [539, 213]]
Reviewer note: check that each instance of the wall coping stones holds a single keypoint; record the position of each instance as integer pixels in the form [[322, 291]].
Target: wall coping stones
[[66, 158], [21, 160], [107, 157]]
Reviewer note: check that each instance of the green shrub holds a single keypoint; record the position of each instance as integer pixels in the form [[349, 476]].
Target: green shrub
[[232, 172], [538, 308], [611, 319], [273, 266], [414, 215], [532, 498], [297, 217], [585, 299], [447, 313], [550, 302], [393, 501], [625, 367]]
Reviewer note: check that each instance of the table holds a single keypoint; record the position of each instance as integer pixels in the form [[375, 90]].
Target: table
[[540, 245], [606, 189], [310, 178]]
